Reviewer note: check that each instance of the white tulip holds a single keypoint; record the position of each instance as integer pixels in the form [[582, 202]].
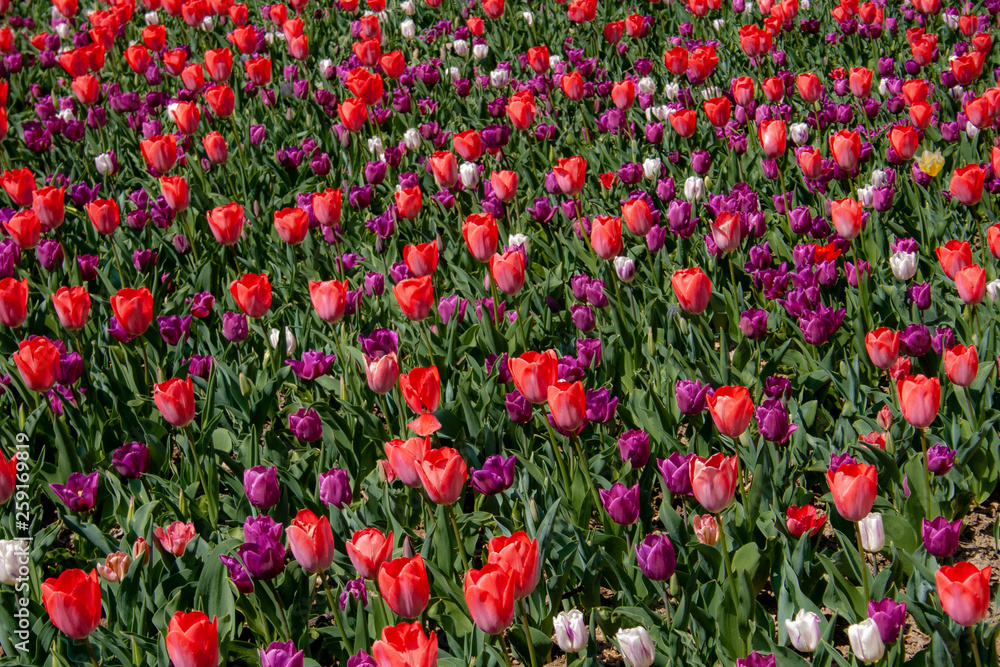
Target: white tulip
[[469, 173], [971, 130], [64, 31], [105, 165], [636, 646], [799, 132], [652, 167], [518, 240], [803, 632], [694, 188], [460, 47], [647, 85], [991, 289], [289, 340], [408, 7], [499, 78], [375, 146], [872, 532], [671, 90], [572, 634], [208, 24], [903, 264], [411, 138], [408, 29], [151, 18], [866, 642], [880, 178], [480, 51], [14, 560], [529, 18]]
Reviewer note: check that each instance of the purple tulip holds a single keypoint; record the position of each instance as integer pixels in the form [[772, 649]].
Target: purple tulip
[[200, 365], [837, 460], [237, 574], [374, 284], [264, 559], [588, 351], [940, 459], [621, 503], [919, 294], [583, 317], [379, 343], [518, 408], [633, 446], [70, 368], [915, 340], [773, 422], [691, 396], [656, 557], [777, 387], [353, 588], [452, 306], [202, 304], [361, 659], [943, 339], [500, 363], [260, 483], [753, 323], [281, 655], [335, 488], [889, 616], [131, 460], [117, 332], [756, 659], [941, 536], [314, 364], [50, 254], [496, 475], [173, 328], [79, 492], [676, 472], [601, 405], [306, 425], [234, 327]]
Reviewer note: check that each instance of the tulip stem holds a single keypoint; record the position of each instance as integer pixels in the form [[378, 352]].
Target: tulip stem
[[558, 456], [927, 472], [385, 413], [338, 615], [427, 339], [458, 537], [505, 648], [281, 611], [527, 633], [93, 656], [975, 647], [730, 575], [864, 561], [194, 455], [585, 464]]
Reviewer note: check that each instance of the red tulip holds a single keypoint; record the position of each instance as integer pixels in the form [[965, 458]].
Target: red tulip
[[245, 39], [676, 60], [489, 594], [154, 37], [854, 487], [845, 147], [175, 192], [175, 401], [538, 59], [353, 113], [13, 302], [415, 297], [845, 215], [215, 148], [606, 236], [692, 288], [971, 284], [311, 541], [24, 229], [393, 64], [954, 256], [774, 89], [404, 586], [718, 110], [978, 112], [915, 90], [571, 174], [481, 235], [713, 480], [773, 139], [365, 85], [568, 405], [226, 223], [406, 645], [160, 152], [38, 362], [327, 207], [367, 51], [405, 458], [381, 373], [860, 81], [961, 364], [468, 144], [73, 602], [329, 298], [517, 555], [521, 109], [534, 373], [809, 86], [187, 116], [638, 217], [104, 215], [802, 520], [504, 185], [508, 271], [292, 225], [133, 309], [967, 184], [48, 205], [421, 259], [258, 70], [493, 9], [964, 591], [252, 294], [883, 347], [193, 77], [726, 232], [684, 122], [368, 549], [72, 306], [444, 167], [572, 86], [219, 64], [193, 640], [904, 140], [8, 478], [732, 409], [19, 185], [138, 58], [742, 89], [421, 389], [623, 94], [701, 63], [408, 202], [443, 473]]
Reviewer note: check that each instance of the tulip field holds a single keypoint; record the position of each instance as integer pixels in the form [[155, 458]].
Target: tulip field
[[404, 333]]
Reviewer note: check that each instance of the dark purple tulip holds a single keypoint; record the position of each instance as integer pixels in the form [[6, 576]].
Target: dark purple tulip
[[237, 574], [940, 459], [280, 654], [837, 460], [941, 536], [753, 323], [314, 364], [449, 306], [621, 503], [656, 557], [354, 588], [943, 339], [174, 328], [656, 238], [541, 211], [666, 189], [914, 340], [260, 483], [374, 284], [88, 266], [70, 368], [335, 488], [264, 559], [200, 366], [79, 492], [889, 616], [116, 331], [181, 244], [234, 327], [518, 408], [588, 352], [920, 295], [773, 422], [263, 527], [601, 405], [379, 343], [777, 387], [691, 395], [496, 475], [676, 472], [362, 659], [131, 460], [633, 446], [756, 659], [50, 254], [399, 272], [583, 316], [143, 260], [305, 425], [499, 363]]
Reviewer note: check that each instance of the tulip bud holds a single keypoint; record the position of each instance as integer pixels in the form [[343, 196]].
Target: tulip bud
[[572, 634], [115, 567], [694, 188], [625, 268], [529, 18], [408, 7], [411, 139], [480, 51], [866, 642], [799, 132], [903, 264], [461, 48], [872, 532], [290, 345], [11, 553], [885, 418], [469, 174], [803, 632], [140, 549], [408, 29], [651, 168], [636, 646], [706, 528]]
